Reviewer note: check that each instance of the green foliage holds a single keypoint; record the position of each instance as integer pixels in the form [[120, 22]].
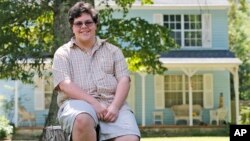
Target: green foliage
[[26, 35], [140, 41], [239, 42], [29, 34], [147, 2], [245, 115], [5, 128]]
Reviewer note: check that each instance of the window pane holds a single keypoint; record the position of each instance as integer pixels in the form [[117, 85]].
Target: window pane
[[187, 42], [192, 25], [166, 25], [197, 89], [173, 98], [165, 17], [199, 18], [173, 94], [192, 18], [172, 26], [186, 26], [178, 25], [193, 35], [198, 25], [172, 17], [193, 43], [178, 35], [198, 35], [186, 18], [199, 43], [178, 18]]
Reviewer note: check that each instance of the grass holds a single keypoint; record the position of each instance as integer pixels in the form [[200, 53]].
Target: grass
[[151, 134], [186, 139]]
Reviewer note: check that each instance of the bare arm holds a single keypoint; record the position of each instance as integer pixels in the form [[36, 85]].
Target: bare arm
[[121, 92], [75, 92], [120, 97]]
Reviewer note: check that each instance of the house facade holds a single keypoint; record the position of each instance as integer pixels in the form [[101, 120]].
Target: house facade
[[198, 73], [194, 90]]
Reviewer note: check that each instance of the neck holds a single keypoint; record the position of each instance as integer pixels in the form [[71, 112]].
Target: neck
[[86, 45]]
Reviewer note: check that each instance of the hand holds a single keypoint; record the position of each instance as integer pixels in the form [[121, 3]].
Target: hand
[[101, 110], [112, 113]]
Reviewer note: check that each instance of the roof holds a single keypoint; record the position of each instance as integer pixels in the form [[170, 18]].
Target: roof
[[199, 58], [198, 54]]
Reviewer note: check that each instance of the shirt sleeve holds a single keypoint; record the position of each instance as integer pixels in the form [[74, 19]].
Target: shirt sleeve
[[60, 67], [121, 67]]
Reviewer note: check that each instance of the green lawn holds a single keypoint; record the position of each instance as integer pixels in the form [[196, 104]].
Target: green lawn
[[186, 139]]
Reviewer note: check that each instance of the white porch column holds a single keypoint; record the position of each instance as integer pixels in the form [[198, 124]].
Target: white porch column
[[190, 97], [236, 91], [235, 74], [190, 72], [16, 104], [143, 98]]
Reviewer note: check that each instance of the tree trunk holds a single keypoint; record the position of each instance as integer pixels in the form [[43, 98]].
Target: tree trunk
[[53, 133], [62, 34]]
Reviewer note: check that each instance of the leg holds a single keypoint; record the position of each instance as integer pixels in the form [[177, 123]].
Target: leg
[[127, 138], [124, 128], [84, 128]]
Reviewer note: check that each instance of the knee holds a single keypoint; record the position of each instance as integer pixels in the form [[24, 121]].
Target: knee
[[84, 122], [133, 138], [127, 138]]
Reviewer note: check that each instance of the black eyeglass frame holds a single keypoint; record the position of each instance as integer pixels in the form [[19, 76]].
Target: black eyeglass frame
[[87, 23]]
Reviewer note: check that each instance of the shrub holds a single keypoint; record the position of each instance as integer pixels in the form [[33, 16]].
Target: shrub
[[245, 115], [5, 128]]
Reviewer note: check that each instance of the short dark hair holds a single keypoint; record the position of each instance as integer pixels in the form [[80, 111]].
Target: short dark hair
[[79, 8]]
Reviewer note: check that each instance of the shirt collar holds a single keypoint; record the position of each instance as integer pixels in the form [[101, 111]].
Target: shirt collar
[[99, 42]]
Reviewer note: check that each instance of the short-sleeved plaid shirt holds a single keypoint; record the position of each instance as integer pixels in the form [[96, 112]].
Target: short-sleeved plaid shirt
[[96, 73]]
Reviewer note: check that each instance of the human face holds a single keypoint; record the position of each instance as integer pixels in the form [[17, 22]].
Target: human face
[[84, 28]]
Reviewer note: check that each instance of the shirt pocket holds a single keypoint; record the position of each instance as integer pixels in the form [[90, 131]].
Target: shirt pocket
[[107, 64]]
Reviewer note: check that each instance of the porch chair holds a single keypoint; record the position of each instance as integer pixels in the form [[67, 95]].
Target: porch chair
[[158, 118], [218, 115], [26, 116]]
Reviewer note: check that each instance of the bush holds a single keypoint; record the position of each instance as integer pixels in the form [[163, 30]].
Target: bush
[[5, 128], [245, 115]]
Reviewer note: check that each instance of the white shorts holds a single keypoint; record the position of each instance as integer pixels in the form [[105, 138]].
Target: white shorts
[[124, 125]]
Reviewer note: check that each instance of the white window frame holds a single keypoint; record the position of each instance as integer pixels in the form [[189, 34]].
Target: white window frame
[[206, 89], [184, 31], [206, 29]]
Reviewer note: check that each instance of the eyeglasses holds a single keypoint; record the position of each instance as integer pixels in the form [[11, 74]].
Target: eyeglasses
[[79, 24]]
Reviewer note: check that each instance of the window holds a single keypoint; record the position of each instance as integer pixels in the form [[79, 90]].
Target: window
[[48, 91], [176, 90], [186, 29], [43, 92], [173, 90], [197, 89]]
